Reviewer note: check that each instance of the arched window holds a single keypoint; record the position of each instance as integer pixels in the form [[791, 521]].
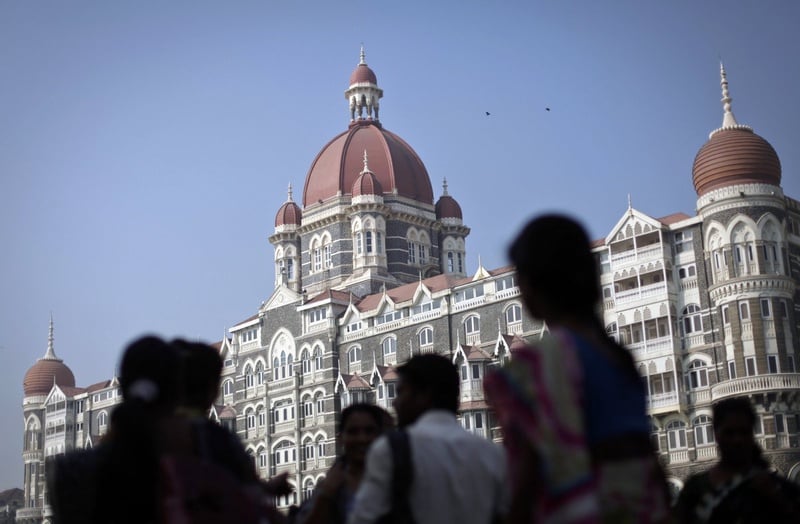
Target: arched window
[[259, 374], [318, 359], [697, 376], [306, 360], [319, 401], [248, 376], [284, 453], [513, 314], [261, 416], [354, 355], [692, 320], [308, 449], [262, 458], [676, 435], [425, 337], [227, 387], [450, 262], [472, 325], [102, 419], [308, 489], [612, 332], [320, 447], [389, 346], [703, 431]]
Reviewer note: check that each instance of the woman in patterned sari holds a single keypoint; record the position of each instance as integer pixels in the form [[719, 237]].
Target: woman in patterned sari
[[572, 406]]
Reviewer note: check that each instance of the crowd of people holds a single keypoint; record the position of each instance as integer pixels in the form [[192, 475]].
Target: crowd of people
[[571, 408]]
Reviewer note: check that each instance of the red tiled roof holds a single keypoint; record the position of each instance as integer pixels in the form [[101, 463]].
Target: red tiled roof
[[406, 292], [387, 373], [673, 218], [100, 385], [473, 404], [476, 353], [355, 382], [500, 270], [248, 319], [330, 294], [71, 392]]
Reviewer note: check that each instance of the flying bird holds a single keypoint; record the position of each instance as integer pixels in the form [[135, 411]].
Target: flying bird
[[547, 109], [488, 113]]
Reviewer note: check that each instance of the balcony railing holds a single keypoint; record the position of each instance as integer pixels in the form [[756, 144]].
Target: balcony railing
[[652, 347], [639, 293], [679, 456], [662, 402], [472, 302], [706, 452], [699, 396], [756, 384]]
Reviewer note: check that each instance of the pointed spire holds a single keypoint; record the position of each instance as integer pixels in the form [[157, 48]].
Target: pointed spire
[[289, 193], [630, 203], [51, 352], [366, 164], [728, 120], [363, 56], [444, 186]]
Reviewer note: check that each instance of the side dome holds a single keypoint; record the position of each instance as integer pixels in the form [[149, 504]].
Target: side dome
[[396, 165], [288, 214], [367, 184], [447, 207], [41, 376], [362, 74], [735, 156]]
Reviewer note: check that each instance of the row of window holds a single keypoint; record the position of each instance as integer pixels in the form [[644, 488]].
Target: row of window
[[704, 431], [766, 310]]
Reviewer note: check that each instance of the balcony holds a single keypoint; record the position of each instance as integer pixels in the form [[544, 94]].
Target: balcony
[[471, 389], [772, 383], [470, 303], [678, 457], [707, 452], [640, 255], [28, 513], [663, 402], [507, 293], [647, 292], [656, 347]]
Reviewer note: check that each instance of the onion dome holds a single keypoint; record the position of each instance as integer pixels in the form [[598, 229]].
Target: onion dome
[[446, 206], [47, 371], [367, 183], [734, 154], [362, 74], [289, 213]]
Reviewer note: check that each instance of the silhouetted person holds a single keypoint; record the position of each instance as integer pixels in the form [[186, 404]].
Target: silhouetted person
[[740, 487], [572, 407], [333, 497], [457, 477], [117, 481]]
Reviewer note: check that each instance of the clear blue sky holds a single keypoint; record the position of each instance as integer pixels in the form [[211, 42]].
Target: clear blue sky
[[146, 146]]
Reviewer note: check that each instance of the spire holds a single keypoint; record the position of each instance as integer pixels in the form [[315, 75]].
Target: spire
[[728, 120], [289, 193], [51, 352], [444, 186], [366, 164], [363, 56]]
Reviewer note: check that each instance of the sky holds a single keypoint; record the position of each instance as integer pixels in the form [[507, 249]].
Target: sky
[[145, 147]]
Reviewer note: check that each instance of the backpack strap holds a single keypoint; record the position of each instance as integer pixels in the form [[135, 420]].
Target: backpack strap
[[402, 476]]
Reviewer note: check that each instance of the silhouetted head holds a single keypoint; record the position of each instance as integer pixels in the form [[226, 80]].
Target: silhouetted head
[[557, 271], [734, 421], [426, 382], [149, 373], [360, 425], [201, 368]]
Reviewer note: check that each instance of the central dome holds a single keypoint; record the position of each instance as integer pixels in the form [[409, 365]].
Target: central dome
[[396, 166]]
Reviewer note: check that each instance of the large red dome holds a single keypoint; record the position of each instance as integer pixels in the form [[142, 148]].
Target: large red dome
[[41, 376], [735, 156], [396, 166]]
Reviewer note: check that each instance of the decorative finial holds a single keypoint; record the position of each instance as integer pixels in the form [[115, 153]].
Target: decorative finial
[[630, 204], [363, 60], [444, 186], [51, 352], [728, 120], [289, 193], [366, 163]]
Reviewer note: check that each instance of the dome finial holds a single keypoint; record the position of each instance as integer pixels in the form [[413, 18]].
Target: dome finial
[[366, 164], [444, 186], [51, 352], [728, 120], [289, 193], [363, 56]]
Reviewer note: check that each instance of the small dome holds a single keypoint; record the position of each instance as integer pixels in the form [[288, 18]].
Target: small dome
[[447, 207], [367, 184], [288, 214], [732, 156], [362, 74], [47, 371]]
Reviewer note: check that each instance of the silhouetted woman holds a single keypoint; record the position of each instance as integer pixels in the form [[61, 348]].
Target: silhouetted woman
[[333, 498], [572, 407], [740, 487]]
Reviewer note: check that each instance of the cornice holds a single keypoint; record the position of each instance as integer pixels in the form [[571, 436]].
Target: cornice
[[755, 286]]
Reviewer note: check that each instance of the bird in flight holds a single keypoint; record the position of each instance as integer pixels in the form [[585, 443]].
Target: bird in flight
[[547, 109], [488, 113]]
